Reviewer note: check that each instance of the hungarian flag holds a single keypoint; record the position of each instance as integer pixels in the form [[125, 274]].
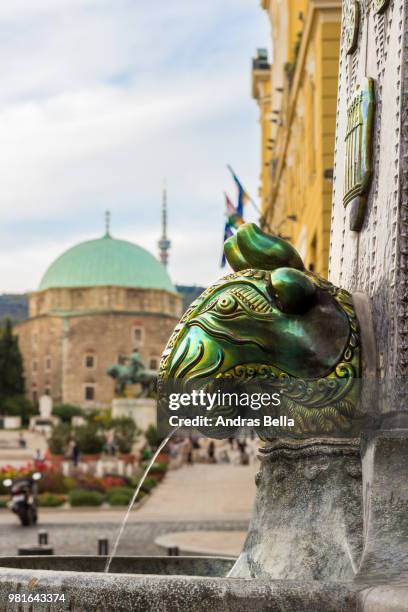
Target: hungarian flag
[[234, 219], [243, 197]]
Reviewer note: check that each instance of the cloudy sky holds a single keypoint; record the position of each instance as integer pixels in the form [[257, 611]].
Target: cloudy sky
[[101, 99]]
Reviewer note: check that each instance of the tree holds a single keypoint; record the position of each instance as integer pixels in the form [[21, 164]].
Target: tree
[[152, 437], [59, 439], [125, 433], [66, 411], [11, 364], [18, 405], [89, 438]]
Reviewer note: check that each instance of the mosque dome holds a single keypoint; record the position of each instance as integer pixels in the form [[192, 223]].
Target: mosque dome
[[106, 261]]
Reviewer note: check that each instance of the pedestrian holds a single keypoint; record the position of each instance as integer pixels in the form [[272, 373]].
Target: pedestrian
[[21, 440], [75, 453], [38, 459], [211, 452], [189, 448]]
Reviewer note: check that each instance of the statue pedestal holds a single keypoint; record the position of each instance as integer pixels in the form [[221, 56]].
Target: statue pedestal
[[142, 410]]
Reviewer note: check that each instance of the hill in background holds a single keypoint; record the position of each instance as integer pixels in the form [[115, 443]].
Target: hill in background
[[14, 306]]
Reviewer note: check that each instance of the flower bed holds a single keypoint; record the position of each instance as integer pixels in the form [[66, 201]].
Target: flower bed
[[83, 489]]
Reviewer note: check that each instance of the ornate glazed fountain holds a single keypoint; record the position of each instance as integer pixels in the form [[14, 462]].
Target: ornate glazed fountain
[[272, 325], [275, 325]]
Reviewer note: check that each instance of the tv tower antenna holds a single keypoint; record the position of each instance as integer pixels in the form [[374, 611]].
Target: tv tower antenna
[[164, 243]]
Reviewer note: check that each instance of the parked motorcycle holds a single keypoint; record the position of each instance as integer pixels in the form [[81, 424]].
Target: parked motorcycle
[[24, 494]]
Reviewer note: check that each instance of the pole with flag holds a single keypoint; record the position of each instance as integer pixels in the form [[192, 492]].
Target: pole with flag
[[234, 218], [243, 195]]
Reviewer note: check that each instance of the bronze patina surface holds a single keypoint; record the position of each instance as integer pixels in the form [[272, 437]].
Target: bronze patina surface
[[271, 325], [132, 372]]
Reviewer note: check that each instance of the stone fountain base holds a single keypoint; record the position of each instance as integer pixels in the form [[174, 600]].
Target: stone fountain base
[[307, 549], [179, 584], [162, 584]]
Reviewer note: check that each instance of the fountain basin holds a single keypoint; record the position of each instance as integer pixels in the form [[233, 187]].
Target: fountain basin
[[164, 566], [161, 584]]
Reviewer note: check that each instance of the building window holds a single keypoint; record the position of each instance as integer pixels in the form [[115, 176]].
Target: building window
[[138, 335], [90, 362], [47, 363], [47, 391], [89, 393], [34, 395], [154, 363], [34, 366]]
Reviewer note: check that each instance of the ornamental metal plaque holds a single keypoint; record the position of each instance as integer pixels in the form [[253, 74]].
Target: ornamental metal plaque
[[351, 25], [381, 5], [358, 156]]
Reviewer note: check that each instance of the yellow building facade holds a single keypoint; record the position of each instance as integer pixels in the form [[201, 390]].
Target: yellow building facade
[[297, 95]]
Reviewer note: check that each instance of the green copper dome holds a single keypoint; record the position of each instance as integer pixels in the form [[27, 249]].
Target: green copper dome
[[107, 261]]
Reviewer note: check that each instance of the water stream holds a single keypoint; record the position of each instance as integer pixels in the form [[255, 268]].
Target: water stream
[[132, 501]]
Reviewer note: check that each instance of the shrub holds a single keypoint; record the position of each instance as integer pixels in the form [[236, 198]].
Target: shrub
[[148, 485], [125, 433], [51, 500], [69, 484], [159, 468], [79, 497], [152, 436], [120, 496], [18, 405], [59, 439], [120, 499], [66, 411], [102, 418], [89, 439]]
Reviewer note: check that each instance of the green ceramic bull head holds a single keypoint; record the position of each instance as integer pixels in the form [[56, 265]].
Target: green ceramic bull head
[[273, 324]]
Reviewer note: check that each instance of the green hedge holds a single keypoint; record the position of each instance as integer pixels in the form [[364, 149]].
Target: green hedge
[[160, 468], [66, 411], [120, 491], [51, 500], [149, 484], [120, 498], [79, 497]]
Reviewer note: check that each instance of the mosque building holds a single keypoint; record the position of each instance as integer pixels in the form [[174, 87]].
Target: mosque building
[[97, 303]]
